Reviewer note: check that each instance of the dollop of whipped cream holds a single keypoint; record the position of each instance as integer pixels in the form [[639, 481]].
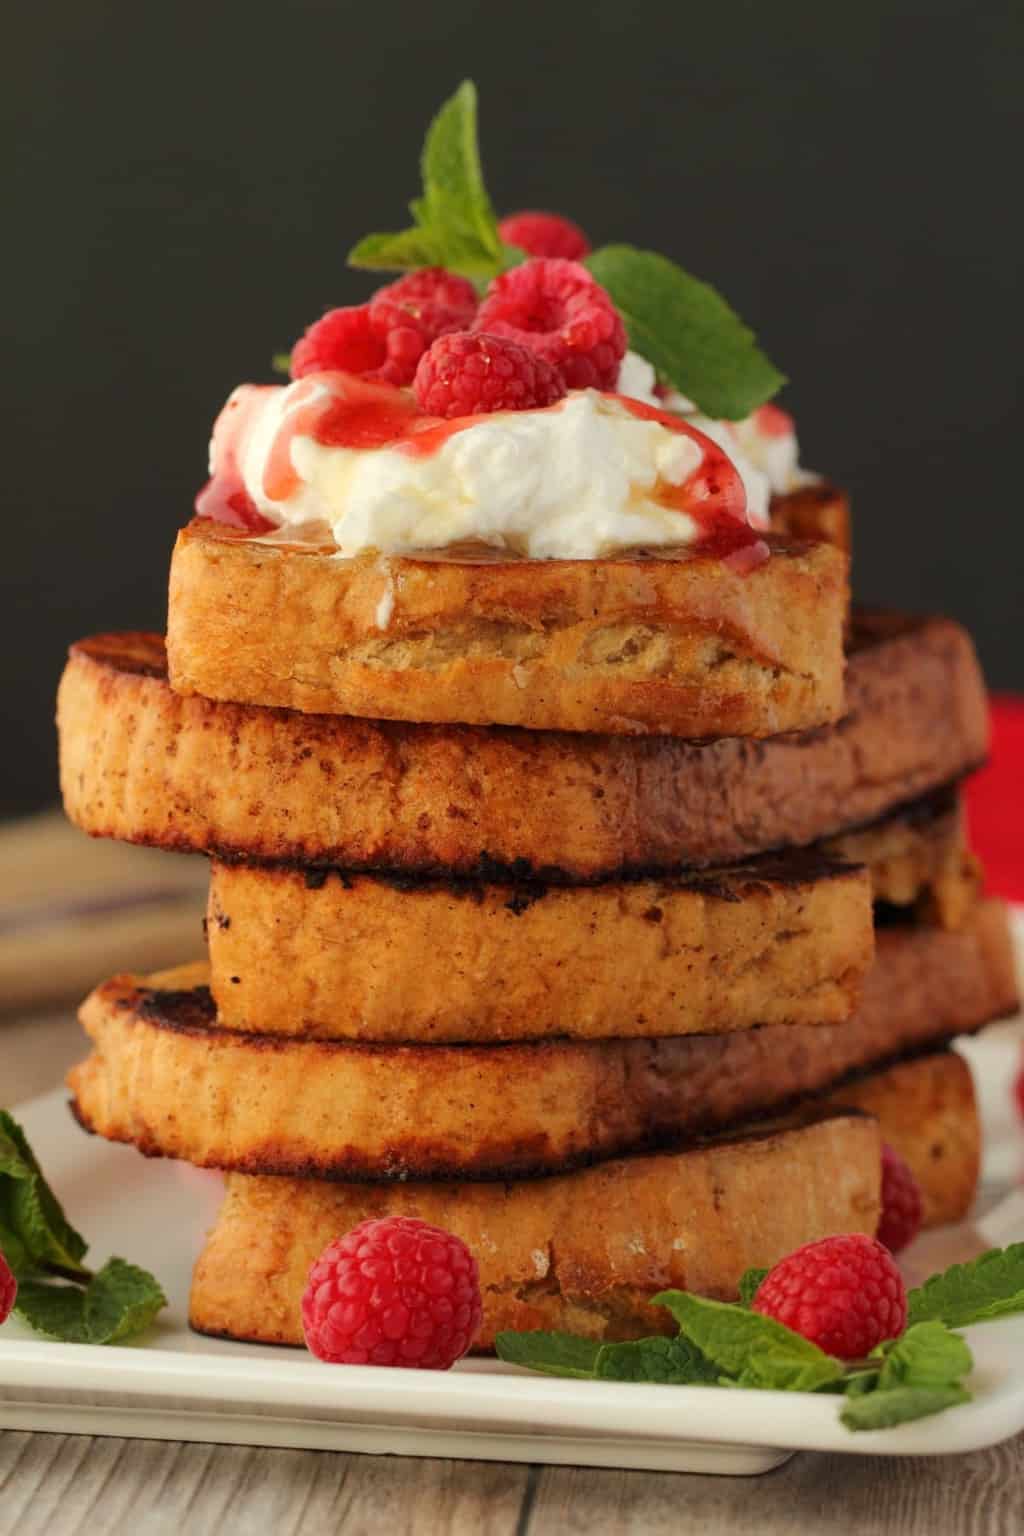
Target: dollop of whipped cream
[[578, 480], [763, 446]]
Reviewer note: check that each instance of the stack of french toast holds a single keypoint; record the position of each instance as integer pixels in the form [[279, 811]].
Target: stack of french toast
[[608, 913]]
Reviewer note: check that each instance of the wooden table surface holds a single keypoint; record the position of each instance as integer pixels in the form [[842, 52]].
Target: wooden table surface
[[63, 1485]]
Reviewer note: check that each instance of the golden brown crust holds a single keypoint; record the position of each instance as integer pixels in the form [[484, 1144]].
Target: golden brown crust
[[626, 645], [162, 1077], [357, 957], [583, 1251], [816, 511], [928, 1113], [918, 857], [141, 763]]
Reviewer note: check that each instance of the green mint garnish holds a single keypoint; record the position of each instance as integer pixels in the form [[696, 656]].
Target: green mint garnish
[[553, 1354], [676, 1362], [687, 331], [750, 1284], [117, 1303], [34, 1232], [988, 1287], [726, 1344], [677, 322], [754, 1351], [673, 1361], [57, 1295], [881, 1410], [927, 1355], [455, 225]]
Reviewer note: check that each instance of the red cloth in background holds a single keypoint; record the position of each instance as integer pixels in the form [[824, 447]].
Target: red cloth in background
[[995, 802]]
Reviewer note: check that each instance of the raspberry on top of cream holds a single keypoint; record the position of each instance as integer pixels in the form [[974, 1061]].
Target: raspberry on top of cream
[[593, 474]]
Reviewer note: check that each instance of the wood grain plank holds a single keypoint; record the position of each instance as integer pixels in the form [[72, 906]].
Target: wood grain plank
[[59, 1485], [977, 1495]]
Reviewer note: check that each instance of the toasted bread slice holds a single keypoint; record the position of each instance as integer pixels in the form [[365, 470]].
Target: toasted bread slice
[[628, 645], [146, 765], [928, 1113], [358, 957], [585, 1251], [163, 1076], [918, 857]]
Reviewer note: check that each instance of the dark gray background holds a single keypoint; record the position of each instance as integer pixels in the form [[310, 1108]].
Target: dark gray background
[[186, 179]]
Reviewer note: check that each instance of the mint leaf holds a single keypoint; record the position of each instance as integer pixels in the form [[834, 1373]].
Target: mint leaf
[[33, 1228], [556, 1354], [687, 330], [750, 1284], [881, 1410], [400, 252], [674, 1361], [988, 1287], [927, 1355], [455, 225], [118, 1303], [755, 1350]]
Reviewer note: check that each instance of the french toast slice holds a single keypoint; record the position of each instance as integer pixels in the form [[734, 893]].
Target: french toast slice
[[584, 1251], [928, 1113], [144, 764], [164, 1077], [361, 957], [631, 645]]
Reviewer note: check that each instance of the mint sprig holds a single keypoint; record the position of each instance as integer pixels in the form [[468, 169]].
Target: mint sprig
[[726, 1344], [454, 223], [680, 324], [988, 1287], [688, 331], [57, 1295]]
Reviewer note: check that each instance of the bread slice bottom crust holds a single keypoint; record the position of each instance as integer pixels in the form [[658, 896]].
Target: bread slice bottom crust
[[165, 1078], [583, 1251]]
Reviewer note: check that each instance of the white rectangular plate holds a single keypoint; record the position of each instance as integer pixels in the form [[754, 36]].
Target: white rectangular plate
[[183, 1387]]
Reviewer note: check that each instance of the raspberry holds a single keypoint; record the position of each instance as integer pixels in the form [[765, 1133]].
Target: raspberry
[[545, 234], [845, 1294], [8, 1289], [901, 1202], [557, 310], [471, 372], [393, 1292], [380, 340], [442, 300]]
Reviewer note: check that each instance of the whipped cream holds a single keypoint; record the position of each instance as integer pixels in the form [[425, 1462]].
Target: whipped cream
[[578, 480], [763, 446]]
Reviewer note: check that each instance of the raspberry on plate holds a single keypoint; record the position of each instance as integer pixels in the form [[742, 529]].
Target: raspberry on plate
[[557, 310], [8, 1289], [545, 234], [381, 340], [471, 372], [443, 300], [395, 1291], [844, 1293], [901, 1202]]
